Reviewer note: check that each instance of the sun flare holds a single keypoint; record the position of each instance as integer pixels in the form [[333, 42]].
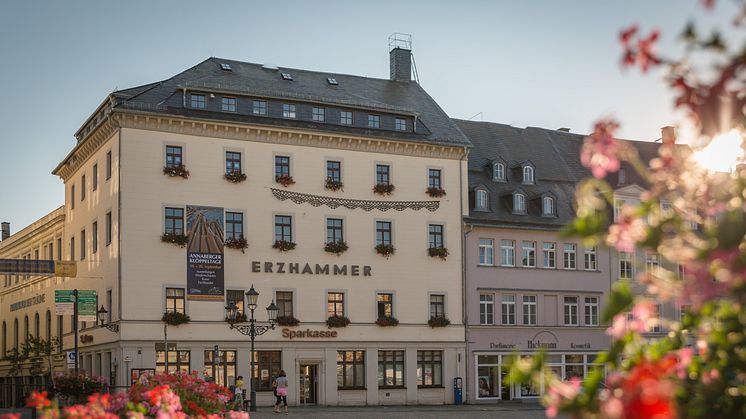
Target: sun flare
[[723, 153]]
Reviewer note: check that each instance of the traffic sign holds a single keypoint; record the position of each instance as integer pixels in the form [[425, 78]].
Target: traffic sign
[[64, 300], [71, 355]]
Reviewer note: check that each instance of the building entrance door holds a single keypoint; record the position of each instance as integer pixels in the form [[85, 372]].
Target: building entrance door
[[308, 384]]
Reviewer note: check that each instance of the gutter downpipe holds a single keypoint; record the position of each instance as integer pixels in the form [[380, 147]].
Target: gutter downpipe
[[463, 272]]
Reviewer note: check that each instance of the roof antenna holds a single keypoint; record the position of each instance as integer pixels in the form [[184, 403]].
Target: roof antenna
[[480, 115]]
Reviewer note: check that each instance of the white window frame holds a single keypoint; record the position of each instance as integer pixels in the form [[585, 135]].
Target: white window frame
[[530, 311], [498, 172], [486, 252], [528, 254], [289, 111], [528, 175], [507, 309], [481, 199], [519, 203], [590, 259], [505, 246], [652, 261], [591, 311], [547, 205], [486, 308], [547, 249], [626, 258], [573, 256], [572, 312]]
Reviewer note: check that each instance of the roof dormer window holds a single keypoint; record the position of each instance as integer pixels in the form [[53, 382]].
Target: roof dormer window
[[519, 203], [498, 172], [480, 201], [547, 206], [528, 174]]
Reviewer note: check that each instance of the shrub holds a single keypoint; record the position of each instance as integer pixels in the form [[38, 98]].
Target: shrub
[[337, 321], [440, 252], [283, 245], [180, 240], [174, 318], [176, 171], [333, 185], [337, 247], [285, 180], [383, 189], [436, 192], [239, 243], [235, 176], [287, 321], [387, 321], [76, 388], [196, 396], [438, 321]]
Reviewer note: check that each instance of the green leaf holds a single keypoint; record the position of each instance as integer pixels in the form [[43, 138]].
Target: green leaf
[[620, 299]]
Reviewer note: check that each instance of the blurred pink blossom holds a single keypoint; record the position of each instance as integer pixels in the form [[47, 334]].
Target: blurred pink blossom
[[560, 392], [627, 231], [599, 152]]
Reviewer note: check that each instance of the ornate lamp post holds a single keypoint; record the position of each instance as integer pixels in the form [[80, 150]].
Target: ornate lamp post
[[101, 313], [252, 330]]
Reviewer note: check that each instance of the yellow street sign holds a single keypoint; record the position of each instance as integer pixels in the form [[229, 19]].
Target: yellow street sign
[[68, 268]]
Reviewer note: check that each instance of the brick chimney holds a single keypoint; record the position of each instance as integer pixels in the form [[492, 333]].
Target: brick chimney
[[400, 64], [4, 230], [668, 135]]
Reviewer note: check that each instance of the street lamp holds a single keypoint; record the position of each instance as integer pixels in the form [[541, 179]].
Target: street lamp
[[252, 330], [101, 313]]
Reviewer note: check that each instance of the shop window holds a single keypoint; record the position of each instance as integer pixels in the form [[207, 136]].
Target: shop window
[[224, 367], [429, 368], [390, 369], [351, 369], [267, 365], [178, 361]]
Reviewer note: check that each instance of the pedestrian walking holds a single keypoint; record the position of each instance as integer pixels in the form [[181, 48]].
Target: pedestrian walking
[[281, 391], [238, 394]]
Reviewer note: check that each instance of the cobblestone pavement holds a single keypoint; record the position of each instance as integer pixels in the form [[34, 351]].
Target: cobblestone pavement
[[506, 411]]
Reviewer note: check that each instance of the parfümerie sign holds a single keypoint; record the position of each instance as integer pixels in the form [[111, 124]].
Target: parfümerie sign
[[310, 268]]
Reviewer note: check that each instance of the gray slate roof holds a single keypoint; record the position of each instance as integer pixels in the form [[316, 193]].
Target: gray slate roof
[[554, 155], [249, 79]]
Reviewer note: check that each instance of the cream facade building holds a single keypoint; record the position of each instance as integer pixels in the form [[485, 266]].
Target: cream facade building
[[271, 125]]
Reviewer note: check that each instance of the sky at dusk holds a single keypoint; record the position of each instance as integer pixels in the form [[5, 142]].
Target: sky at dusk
[[544, 63]]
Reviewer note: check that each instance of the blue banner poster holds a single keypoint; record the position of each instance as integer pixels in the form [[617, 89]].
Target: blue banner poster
[[205, 273]]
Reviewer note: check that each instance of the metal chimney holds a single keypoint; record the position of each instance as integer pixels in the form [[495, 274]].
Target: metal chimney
[[4, 230]]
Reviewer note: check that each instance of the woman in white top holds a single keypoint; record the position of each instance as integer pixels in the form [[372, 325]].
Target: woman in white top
[[281, 391]]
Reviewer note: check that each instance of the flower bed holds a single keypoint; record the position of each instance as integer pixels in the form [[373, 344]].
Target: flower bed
[[438, 321], [287, 321], [76, 388], [387, 321], [180, 240], [436, 192], [385, 249], [337, 247], [172, 171], [440, 252], [337, 321], [174, 318], [239, 243], [383, 189], [283, 245], [235, 176], [285, 180]]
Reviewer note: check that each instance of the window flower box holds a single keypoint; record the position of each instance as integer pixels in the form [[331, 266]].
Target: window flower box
[[440, 252], [337, 247], [240, 318], [239, 243], [172, 171], [438, 321], [383, 189], [287, 321], [385, 249], [177, 239], [333, 185], [283, 245], [235, 176], [285, 180], [436, 192], [337, 321], [174, 318], [387, 321]]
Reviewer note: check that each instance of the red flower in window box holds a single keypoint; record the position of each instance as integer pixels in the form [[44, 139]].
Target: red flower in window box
[[174, 318], [337, 321], [385, 249], [177, 239], [179, 170], [235, 176], [438, 321], [287, 321], [337, 247], [383, 189], [333, 185], [239, 243], [283, 245], [387, 321], [285, 180], [436, 192], [440, 252]]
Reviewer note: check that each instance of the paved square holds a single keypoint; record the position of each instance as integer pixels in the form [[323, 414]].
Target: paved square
[[410, 412]]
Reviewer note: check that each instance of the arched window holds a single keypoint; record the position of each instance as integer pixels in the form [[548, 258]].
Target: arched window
[[548, 205], [498, 171], [37, 325], [25, 328], [481, 201], [528, 174], [519, 203], [15, 333], [49, 326], [5, 340]]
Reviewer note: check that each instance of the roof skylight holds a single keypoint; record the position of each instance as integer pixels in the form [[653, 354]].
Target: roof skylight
[[332, 81], [287, 76], [226, 67]]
